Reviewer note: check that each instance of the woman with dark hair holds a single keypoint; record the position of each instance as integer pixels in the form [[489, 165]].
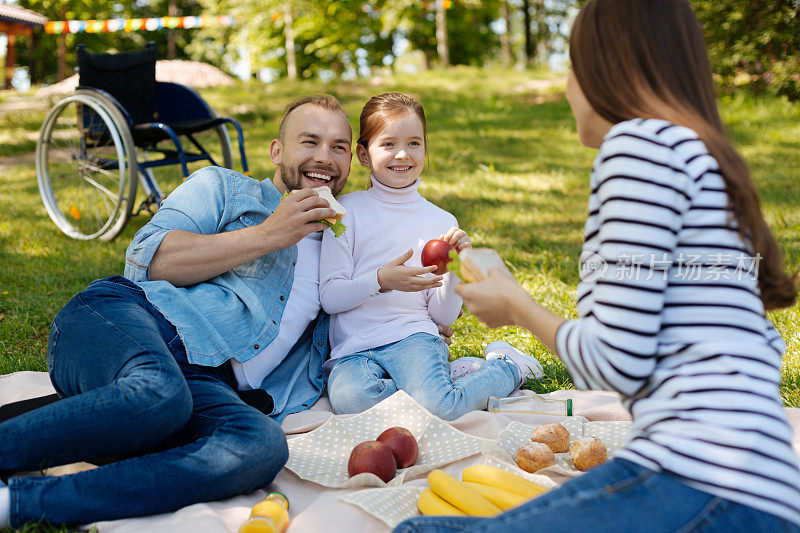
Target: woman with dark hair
[[677, 269]]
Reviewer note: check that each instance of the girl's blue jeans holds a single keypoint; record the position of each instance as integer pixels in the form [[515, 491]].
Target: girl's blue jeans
[[419, 366], [617, 496], [128, 390]]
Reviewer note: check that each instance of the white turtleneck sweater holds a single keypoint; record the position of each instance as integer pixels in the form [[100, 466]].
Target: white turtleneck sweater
[[382, 223]]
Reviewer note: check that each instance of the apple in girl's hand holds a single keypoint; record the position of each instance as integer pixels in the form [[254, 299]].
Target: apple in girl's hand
[[437, 252], [403, 445], [374, 457]]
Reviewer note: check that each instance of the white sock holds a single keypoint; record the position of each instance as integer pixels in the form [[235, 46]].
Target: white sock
[[5, 507]]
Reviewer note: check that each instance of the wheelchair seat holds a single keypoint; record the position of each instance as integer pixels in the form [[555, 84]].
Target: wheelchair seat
[[145, 133]]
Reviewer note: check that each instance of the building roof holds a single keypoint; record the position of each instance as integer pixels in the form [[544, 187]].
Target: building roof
[[10, 13]]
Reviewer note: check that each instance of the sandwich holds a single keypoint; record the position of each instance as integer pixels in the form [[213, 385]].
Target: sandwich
[[474, 264], [334, 222]]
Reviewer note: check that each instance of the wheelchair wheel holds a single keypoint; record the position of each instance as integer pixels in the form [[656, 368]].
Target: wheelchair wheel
[[226, 148], [86, 167]]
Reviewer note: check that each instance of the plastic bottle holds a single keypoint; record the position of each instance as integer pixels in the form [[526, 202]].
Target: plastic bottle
[[530, 403], [270, 515]]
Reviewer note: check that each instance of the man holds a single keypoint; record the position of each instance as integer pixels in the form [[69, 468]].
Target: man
[[151, 366]]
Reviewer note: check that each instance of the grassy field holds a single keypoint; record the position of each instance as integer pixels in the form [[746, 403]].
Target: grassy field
[[504, 159]]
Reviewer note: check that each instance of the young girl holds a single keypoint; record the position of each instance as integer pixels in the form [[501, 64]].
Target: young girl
[[688, 346], [384, 305]]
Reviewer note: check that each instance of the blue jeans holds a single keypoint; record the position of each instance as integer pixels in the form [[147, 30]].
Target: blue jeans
[[617, 496], [128, 390], [419, 366]]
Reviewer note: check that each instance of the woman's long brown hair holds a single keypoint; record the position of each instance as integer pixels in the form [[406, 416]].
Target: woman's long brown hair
[[647, 58]]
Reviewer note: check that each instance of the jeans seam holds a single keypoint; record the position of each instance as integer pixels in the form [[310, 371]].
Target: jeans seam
[[108, 322], [702, 515], [629, 482]]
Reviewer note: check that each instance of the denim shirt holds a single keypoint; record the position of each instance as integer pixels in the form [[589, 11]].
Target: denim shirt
[[238, 313]]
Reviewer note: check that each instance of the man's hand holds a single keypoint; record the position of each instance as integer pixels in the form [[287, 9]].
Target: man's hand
[[457, 238], [399, 277], [294, 218]]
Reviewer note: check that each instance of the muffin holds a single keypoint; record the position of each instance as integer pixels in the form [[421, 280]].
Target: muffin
[[535, 456], [555, 436], [587, 452]]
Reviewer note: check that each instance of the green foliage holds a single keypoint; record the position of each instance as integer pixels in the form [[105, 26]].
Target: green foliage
[[754, 43], [338, 37], [42, 59], [471, 41]]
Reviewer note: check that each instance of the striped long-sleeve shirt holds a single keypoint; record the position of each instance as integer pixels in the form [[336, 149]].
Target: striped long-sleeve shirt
[[671, 318]]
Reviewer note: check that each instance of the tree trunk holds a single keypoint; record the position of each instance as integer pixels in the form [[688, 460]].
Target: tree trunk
[[529, 46], [11, 59], [288, 31], [441, 34], [61, 69], [172, 11], [505, 38], [542, 45], [33, 68]]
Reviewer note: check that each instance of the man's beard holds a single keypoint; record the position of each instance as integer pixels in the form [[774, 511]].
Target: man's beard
[[292, 178]]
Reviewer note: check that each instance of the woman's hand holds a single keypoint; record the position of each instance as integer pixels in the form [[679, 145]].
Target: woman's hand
[[399, 277], [457, 238], [493, 299], [500, 301]]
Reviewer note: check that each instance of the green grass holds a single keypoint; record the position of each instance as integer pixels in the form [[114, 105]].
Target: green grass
[[504, 159]]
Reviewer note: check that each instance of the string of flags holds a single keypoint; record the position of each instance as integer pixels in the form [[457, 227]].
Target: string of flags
[[129, 25], [154, 24]]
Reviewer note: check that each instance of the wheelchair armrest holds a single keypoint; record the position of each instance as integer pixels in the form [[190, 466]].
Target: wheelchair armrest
[[177, 103]]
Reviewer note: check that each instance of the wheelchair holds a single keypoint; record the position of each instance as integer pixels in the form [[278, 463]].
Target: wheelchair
[[99, 143]]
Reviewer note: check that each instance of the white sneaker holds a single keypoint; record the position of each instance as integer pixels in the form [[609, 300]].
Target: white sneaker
[[463, 366], [529, 366]]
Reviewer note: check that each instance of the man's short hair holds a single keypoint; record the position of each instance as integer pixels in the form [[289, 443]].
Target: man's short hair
[[325, 101]]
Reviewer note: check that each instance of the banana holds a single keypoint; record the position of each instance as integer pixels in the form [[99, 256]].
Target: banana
[[429, 503], [502, 498], [459, 495], [496, 477]]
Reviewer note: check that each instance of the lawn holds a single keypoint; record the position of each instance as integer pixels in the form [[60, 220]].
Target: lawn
[[504, 159]]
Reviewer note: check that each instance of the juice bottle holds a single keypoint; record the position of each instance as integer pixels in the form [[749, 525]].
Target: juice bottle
[[270, 515]]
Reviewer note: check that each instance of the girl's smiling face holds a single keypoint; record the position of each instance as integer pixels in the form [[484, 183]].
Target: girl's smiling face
[[396, 155]]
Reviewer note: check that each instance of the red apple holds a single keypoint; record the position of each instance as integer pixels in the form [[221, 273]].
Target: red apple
[[437, 252], [372, 456], [403, 445]]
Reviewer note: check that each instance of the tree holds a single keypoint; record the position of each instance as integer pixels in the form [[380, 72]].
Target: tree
[[53, 54], [441, 33], [754, 43], [545, 25], [469, 39]]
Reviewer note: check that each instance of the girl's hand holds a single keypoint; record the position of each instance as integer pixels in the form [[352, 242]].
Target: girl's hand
[[493, 300], [457, 238], [399, 277]]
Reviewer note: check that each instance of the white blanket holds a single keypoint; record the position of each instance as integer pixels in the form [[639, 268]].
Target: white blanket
[[314, 507]]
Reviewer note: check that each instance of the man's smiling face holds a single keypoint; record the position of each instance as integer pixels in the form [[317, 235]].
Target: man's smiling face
[[315, 150]]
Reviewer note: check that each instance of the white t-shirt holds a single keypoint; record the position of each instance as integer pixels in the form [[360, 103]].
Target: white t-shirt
[[301, 308], [382, 223]]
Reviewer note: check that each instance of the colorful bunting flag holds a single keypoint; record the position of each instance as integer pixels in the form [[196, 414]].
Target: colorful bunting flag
[[128, 25]]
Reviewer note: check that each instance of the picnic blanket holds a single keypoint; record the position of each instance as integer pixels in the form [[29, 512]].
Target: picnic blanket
[[329, 503]]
